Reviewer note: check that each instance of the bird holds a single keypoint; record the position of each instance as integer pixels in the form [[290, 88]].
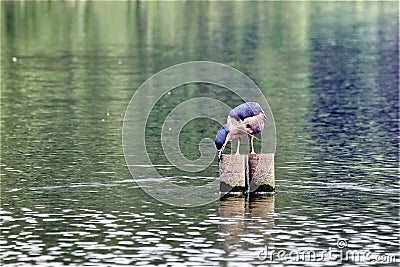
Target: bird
[[246, 119]]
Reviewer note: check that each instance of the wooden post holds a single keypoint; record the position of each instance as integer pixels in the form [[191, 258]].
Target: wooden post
[[247, 173], [261, 173], [233, 173]]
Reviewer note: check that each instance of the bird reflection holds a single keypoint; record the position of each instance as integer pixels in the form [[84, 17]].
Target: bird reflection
[[245, 222]]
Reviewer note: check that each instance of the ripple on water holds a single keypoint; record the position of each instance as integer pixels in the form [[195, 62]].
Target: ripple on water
[[67, 197]]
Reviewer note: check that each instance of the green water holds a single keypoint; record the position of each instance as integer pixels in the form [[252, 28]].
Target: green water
[[69, 69]]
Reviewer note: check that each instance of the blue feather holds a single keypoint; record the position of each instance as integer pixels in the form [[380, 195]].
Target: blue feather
[[221, 137], [245, 110]]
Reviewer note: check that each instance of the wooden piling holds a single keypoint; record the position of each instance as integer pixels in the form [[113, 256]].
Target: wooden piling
[[261, 173], [247, 173], [233, 173]]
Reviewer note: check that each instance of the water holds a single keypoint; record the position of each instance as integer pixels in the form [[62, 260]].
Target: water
[[328, 70]]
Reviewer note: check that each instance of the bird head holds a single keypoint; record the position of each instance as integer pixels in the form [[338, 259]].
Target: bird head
[[221, 139]]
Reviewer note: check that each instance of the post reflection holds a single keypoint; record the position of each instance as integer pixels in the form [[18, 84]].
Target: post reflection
[[245, 221]]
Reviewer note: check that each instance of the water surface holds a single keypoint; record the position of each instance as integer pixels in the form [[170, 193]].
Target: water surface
[[328, 70]]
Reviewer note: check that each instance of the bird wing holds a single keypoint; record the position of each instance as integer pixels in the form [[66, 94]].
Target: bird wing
[[245, 110]]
